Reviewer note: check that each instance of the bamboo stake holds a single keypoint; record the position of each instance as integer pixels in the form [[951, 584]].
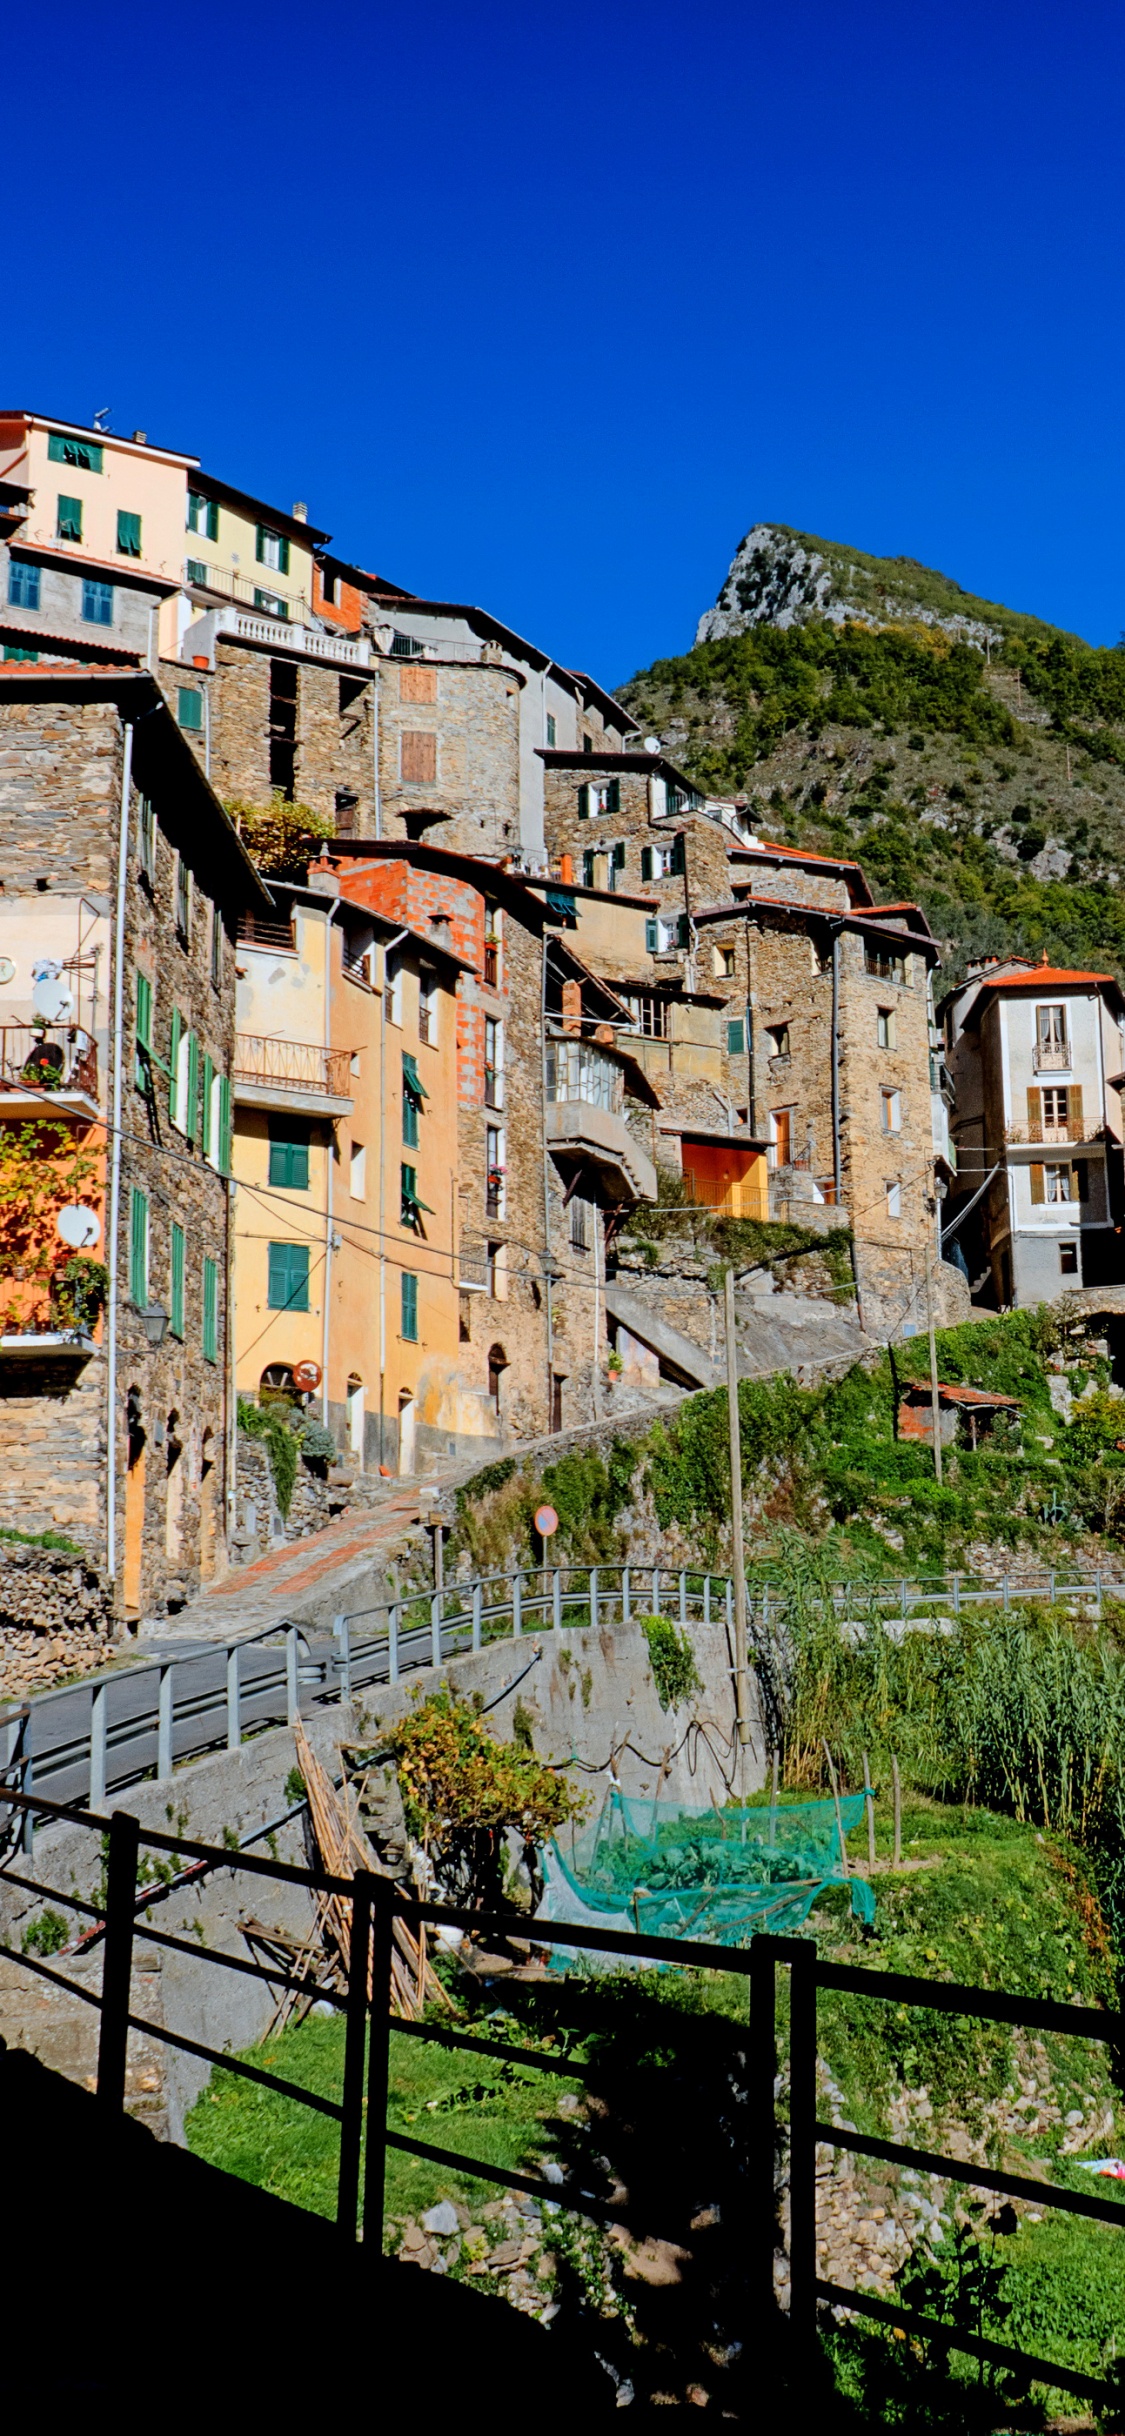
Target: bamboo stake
[[898, 1812], [845, 1864], [773, 1802], [870, 1802]]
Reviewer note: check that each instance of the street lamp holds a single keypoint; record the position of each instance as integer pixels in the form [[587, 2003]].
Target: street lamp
[[154, 1321]]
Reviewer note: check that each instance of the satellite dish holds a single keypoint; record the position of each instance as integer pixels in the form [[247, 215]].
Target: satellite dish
[[652, 744], [7, 969], [52, 997], [78, 1226]]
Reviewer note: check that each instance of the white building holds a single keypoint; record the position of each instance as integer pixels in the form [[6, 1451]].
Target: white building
[[1036, 1056]]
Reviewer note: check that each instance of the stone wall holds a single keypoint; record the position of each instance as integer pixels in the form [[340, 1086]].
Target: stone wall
[[56, 1618], [463, 784], [59, 791], [259, 1523], [52, 1448]]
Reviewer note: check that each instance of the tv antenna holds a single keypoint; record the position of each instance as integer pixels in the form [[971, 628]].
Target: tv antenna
[[101, 418]]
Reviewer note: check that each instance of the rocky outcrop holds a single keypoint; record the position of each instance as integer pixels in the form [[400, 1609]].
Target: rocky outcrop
[[778, 578]]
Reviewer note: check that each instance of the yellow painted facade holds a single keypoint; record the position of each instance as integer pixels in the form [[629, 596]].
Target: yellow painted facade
[[228, 559], [333, 1146]]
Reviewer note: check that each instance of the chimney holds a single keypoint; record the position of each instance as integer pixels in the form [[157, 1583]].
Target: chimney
[[566, 868], [300, 511], [140, 437]]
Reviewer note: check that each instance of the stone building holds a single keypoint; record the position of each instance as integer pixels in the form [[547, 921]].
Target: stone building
[[121, 887], [554, 1119], [1036, 1054], [346, 1160]]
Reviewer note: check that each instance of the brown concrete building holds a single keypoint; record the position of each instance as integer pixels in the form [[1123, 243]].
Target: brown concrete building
[[122, 886]]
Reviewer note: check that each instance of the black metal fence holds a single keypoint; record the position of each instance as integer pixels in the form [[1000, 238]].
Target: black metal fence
[[361, 2111]]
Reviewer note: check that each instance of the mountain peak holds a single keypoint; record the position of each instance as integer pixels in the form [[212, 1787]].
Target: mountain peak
[[782, 578]]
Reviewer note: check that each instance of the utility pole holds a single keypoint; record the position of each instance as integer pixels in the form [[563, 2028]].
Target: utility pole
[[935, 1399], [738, 1552]]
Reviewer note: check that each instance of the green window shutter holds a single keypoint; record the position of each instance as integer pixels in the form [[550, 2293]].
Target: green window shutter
[[288, 1284], [205, 1141], [191, 1127], [683, 931], [212, 520], [736, 1038], [283, 556], [174, 1063], [412, 1078], [409, 1307], [128, 533], [210, 1311], [646, 862], [289, 1153], [678, 864], [260, 545], [409, 1119], [224, 1125], [613, 795], [619, 858], [189, 708], [176, 1315], [588, 868], [87, 455], [144, 1030], [652, 937], [138, 1248], [583, 803], [70, 518]]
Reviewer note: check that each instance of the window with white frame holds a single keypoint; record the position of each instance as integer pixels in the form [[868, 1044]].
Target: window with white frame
[[357, 1172], [428, 1009], [493, 1063], [885, 1028], [894, 1197], [1059, 1182], [215, 1128], [394, 991], [494, 1176]]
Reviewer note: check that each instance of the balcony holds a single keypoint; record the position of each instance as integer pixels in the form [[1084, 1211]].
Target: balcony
[[1032, 1130], [1051, 1057], [280, 936], [293, 1075], [256, 625], [600, 1138], [47, 1064]]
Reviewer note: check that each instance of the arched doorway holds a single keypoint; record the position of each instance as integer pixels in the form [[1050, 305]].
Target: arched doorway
[[497, 1365], [356, 1418], [133, 1569], [405, 1432]]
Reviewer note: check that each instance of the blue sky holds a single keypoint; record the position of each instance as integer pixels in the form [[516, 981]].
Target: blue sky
[[542, 308]]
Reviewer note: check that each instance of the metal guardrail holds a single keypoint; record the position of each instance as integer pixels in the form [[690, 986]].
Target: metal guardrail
[[768, 2122], [88, 1740]]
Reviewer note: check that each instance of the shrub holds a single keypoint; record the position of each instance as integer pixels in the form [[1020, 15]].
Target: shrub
[[463, 1792], [672, 1659]]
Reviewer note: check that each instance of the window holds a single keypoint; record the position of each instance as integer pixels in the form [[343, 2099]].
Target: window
[[394, 993], [68, 522], [189, 708], [176, 1295], [85, 454], [589, 868], [651, 1015], [413, 1094], [404, 646], [138, 1248], [579, 1215], [208, 1112], [224, 1125], [736, 1037], [146, 838], [1050, 1036], [781, 1123], [183, 901], [347, 805], [494, 1171], [1068, 1259], [894, 1197], [683, 931], [23, 584], [616, 863], [214, 1121], [1060, 1184], [552, 730], [288, 1284], [1056, 1111], [272, 550], [497, 1365], [142, 1070], [128, 534], [97, 602], [13, 652], [879, 960], [576, 1070], [496, 1264], [658, 936], [777, 1035], [328, 585], [885, 1028], [195, 571], [492, 921], [587, 743], [357, 1172], [202, 515], [557, 1386], [409, 1285], [289, 1153], [723, 963], [183, 1082], [418, 757], [427, 1008], [211, 1310], [493, 1063], [417, 684], [270, 603], [892, 1111], [216, 948], [413, 1208]]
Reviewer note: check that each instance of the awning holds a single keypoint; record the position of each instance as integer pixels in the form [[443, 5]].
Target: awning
[[560, 903]]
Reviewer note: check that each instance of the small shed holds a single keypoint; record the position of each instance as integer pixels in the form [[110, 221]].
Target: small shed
[[965, 1413]]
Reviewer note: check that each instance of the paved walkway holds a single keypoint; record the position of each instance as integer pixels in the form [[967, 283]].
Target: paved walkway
[[311, 1579]]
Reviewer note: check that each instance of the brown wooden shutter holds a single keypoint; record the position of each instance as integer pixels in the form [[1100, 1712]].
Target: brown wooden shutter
[[1074, 1112], [419, 757], [1034, 1106], [1038, 1189], [417, 684]]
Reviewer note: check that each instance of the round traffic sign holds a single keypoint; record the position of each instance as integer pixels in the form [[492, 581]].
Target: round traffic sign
[[306, 1375], [546, 1521]]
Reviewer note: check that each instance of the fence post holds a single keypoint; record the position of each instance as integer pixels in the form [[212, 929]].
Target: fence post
[[761, 2231], [378, 2062], [517, 1605], [292, 1693], [476, 1615], [707, 1601], [435, 1628], [1097, 1581], [1005, 1590], [392, 1642], [99, 1726], [355, 2043], [343, 1633], [656, 1590], [594, 1597], [765, 1609], [117, 1962], [556, 1597], [802, 2143], [234, 1699], [27, 1778], [956, 1594], [166, 1710], [625, 1594]]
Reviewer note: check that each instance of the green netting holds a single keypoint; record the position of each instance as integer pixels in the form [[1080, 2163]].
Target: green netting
[[671, 1869]]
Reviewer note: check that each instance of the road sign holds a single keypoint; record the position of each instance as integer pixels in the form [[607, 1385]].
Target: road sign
[[306, 1375], [546, 1521]]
